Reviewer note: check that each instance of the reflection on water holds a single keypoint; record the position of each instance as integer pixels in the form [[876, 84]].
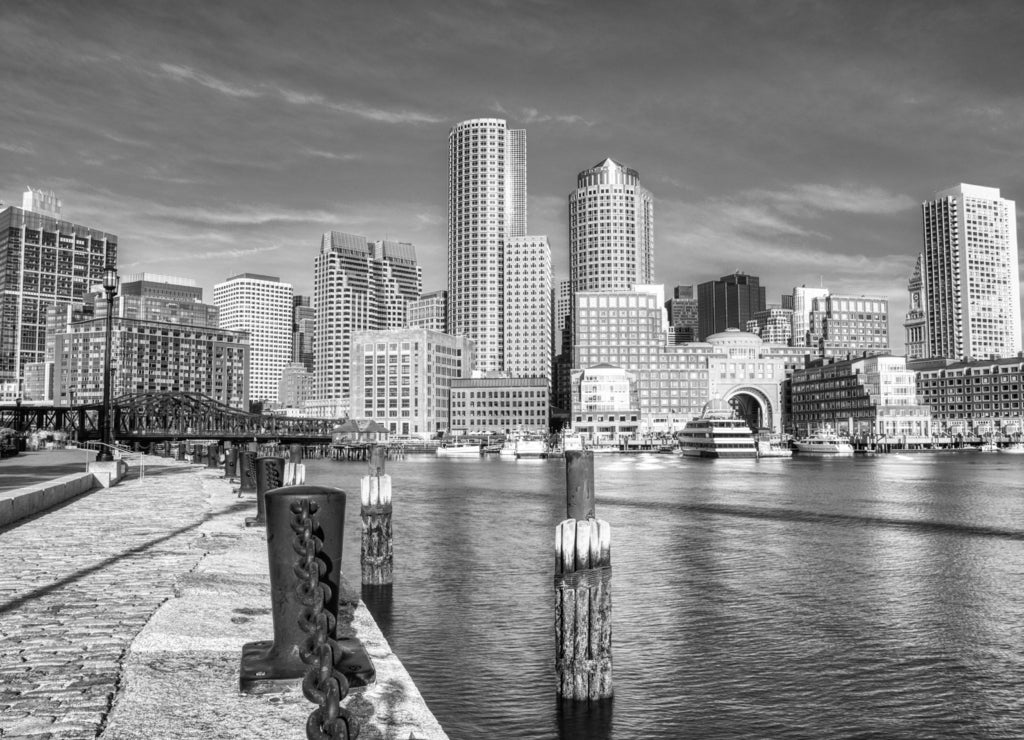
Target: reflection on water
[[803, 598]]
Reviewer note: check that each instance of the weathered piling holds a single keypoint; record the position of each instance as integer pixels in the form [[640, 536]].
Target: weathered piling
[[294, 470], [231, 462], [583, 600], [377, 549], [212, 456]]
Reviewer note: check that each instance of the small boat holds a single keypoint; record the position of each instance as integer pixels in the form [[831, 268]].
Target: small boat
[[988, 447], [459, 449], [603, 448], [772, 445], [717, 432], [535, 448], [824, 442], [1014, 448], [508, 450]]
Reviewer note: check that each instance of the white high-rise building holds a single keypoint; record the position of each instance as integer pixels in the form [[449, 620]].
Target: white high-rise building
[[611, 230], [803, 300], [969, 275], [527, 309], [486, 209], [262, 306]]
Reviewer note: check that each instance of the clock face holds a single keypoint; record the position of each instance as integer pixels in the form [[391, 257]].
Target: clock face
[[917, 299]]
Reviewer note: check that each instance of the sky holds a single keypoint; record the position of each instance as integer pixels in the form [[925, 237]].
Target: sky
[[790, 140]]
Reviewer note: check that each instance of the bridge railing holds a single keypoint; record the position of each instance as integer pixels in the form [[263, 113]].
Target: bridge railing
[[118, 452]]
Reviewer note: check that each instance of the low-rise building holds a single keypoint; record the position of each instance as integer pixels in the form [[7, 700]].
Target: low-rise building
[[974, 398], [403, 377], [499, 404], [868, 397], [606, 407]]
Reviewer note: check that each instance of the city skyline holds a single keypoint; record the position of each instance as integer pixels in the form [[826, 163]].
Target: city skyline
[[792, 141]]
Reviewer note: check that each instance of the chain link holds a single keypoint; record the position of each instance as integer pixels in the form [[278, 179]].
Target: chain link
[[323, 685]]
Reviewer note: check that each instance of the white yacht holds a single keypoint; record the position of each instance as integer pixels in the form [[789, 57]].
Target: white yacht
[[459, 449], [824, 442], [717, 434]]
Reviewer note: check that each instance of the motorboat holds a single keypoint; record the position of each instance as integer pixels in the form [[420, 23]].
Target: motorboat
[[824, 442], [459, 449], [771, 445], [1014, 448], [535, 448]]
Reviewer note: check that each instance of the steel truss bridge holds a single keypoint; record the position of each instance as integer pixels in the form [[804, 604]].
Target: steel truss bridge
[[160, 417]]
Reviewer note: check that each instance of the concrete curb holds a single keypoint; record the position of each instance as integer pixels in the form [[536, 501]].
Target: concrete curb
[[22, 503]]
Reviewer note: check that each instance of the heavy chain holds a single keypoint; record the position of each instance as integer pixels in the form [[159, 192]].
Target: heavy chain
[[323, 685]]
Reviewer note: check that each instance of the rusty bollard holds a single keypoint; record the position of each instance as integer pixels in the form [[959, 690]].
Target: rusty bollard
[[246, 472], [212, 456], [269, 475], [271, 665], [377, 547], [231, 462]]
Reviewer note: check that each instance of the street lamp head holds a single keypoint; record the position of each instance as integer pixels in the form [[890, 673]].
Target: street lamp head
[[110, 279]]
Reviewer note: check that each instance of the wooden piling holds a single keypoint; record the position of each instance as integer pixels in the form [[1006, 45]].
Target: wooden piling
[[377, 550], [583, 599]]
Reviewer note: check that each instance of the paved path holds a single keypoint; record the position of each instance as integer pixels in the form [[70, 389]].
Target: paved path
[[77, 585], [32, 467]]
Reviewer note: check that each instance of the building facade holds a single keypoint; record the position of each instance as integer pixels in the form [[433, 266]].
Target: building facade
[[486, 209], [802, 301], [728, 303], [429, 311], [973, 399], [403, 378], [357, 286], [773, 325], [499, 405], [296, 386], [151, 357], [868, 398], [682, 314], [260, 305], [846, 324], [606, 407], [970, 278], [916, 324], [303, 331], [527, 308], [44, 261]]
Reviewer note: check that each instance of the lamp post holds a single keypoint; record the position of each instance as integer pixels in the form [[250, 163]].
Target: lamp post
[[110, 282]]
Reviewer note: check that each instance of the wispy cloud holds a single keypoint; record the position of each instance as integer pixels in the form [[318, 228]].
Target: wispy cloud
[[187, 74], [17, 148], [808, 199], [528, 116], [322, 154], [243, 216], [369, 112], [210, 254]]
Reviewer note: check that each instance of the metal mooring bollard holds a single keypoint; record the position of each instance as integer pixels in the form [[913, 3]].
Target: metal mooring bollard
[[377, 546], [294, 470], [583, 597], [180, 456], [231, 462], [269, 475], [212, 456], [305, 534], [247, 472]]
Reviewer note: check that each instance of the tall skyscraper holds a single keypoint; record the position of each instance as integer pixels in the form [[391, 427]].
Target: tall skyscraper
[[527, 309], [262, 306], [611, 230], [303, 330], [970, 280], [357, 286], [803, 297], [44, 261], [682, 314], [486, 208], [916, 324], [729, 302]]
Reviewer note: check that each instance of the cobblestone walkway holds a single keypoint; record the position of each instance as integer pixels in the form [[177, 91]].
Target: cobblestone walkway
[[77, 585]]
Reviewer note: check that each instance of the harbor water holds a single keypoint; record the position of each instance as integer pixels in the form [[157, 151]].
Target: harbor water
[[814, 597]]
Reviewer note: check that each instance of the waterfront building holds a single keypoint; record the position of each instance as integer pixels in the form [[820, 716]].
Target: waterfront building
[[527, 308], [728, 303], [673, 382], [499, 405], [403, 377], [969, 276], [303, 331], [873, 398], [429, 311], [841, 325], [773, 325], [44, 261], [611, 230], [802, 300], [296, 386], [606, 406], [151, 357], [973, 398], [486, 209], [682, 314], [358, 286], [160, 298]]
